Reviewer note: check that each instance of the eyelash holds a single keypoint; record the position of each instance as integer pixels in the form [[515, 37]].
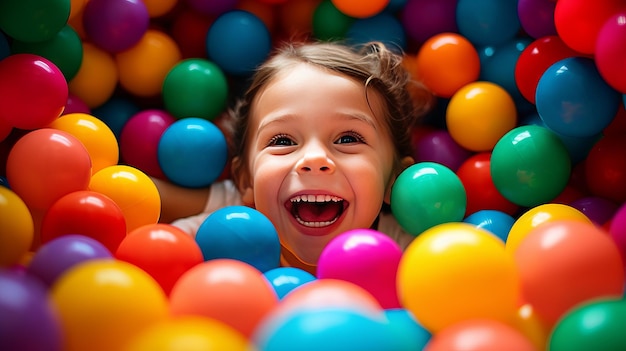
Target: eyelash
[[273, 141]]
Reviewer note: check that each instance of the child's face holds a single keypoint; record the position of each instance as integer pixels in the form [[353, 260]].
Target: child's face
[[320, 159]]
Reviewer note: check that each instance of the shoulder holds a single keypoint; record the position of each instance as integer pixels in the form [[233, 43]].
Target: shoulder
[[387, 224]]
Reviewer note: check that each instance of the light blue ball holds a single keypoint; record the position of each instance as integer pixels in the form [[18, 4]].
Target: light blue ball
[[494, 221], [192, 152], [285, 279], [238, 41], [240, 233], [410, 334]]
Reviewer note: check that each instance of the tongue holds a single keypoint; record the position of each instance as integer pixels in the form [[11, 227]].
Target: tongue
[[312, 212]]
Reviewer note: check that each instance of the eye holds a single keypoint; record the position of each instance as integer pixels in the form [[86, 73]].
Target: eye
[[281, 140], [350, 137]]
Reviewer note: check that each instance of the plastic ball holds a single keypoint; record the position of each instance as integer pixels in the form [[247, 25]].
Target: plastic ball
[[195, 333], [212, 8], [139, 140], [97, 78], [427, 194], [574, 333], [268, 13], [367, 258], [33, 20], [480, 334], [33, 91], [535, 59], [195, 88], [537, 17], [158, 8], [238, 41], [482, 194], [88, 213], [494, 221], [423, 19], [530, 165], [578, 22], [382, 27], [162, 250], [116, 112], [446, 62], [286, 279], [598, 209], [227, 290], [575, 81], [241, 233], [361, 9], [45, 165], [192, 152], [104, 303], [75, 105], [132, 190], [104, 19], [329, 23], [609, 53], [95, 135], [409, 332], [479, 114], [564, 263], [487, 22], [617, 230], [537, 216], [189, 29], [438, 146], [295, 19], [605, 168], [29, 321], [16, 235], [56, 257], [143, 67], [454, 272], [65, 50]]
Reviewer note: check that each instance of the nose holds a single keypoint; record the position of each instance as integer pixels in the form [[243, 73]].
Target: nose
[[315, 159]]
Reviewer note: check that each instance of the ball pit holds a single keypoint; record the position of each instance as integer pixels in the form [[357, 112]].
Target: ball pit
[[516, 201]]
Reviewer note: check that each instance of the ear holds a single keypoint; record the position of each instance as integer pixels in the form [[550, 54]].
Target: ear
[[241, 176], [402, 165]]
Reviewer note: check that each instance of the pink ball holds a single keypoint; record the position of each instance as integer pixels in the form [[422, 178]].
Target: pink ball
[[617, 230], [74, 104], [611, 52], [139, 140], [367, 258]]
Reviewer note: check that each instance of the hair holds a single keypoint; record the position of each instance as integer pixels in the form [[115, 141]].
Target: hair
[[373, 64]]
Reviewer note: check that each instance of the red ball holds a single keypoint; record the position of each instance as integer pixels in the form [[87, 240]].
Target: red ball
[[605, 168]]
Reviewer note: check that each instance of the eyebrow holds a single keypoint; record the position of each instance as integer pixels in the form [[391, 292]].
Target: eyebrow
[[344, 116]]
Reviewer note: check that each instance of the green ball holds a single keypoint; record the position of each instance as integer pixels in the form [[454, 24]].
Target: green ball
[[65, 50], [33, 20], [597, 325], [530, 165], [427, 194], [329, 23], [195, 88]]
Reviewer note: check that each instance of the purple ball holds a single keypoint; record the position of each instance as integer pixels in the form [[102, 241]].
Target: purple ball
[[27, 318], [537, 17], [55, 257], [115, 25], [212, 7], [598, 209], [617, 230], [422, 19], [438, 146]]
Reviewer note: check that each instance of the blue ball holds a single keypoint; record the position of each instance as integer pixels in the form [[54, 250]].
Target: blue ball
[[574, 100], [409, 332], [240, 233], [192, 152], [496, 222], [115, 113], [383, 27], [238, 41], [285, 279], [487, 22]]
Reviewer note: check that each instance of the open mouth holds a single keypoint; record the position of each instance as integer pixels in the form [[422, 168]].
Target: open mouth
[[317, 211]]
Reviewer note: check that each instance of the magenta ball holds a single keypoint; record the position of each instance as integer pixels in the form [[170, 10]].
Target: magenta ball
[[367, 258], [438, 146], [75, 105], [610, 53], [617, 230], [115, 25], [422, 19], [56, 256], [537, 17], [212, 7], [139, 140]]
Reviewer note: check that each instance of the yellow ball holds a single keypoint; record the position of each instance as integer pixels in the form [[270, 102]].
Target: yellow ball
[[132, 190], [538, 215], [189, 333], [104, 303], [17, 228], [95, 135], [454, 272], [479, 114]]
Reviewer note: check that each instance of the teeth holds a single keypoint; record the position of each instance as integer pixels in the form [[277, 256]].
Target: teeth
[[315, 224], [315, 198]]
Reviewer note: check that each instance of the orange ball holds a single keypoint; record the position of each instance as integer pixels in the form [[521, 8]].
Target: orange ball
[[479, 335], [158, 8], [143, 68], [360, 8], [479, 114], [97, 77], [446, 62]]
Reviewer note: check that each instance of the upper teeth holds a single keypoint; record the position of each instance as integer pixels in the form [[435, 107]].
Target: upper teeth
[[315, 198]]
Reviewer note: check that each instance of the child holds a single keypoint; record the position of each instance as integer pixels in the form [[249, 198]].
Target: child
[[317, 141]]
